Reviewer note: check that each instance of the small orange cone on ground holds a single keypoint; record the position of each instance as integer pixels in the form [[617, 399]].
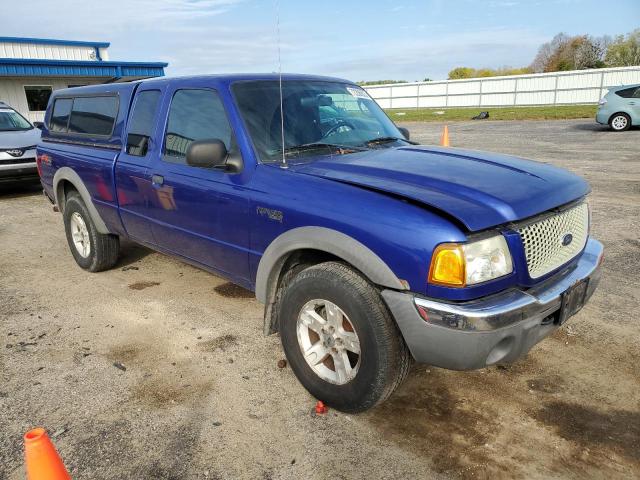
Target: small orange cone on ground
[[321, 408], [42, 462], [444, 139]]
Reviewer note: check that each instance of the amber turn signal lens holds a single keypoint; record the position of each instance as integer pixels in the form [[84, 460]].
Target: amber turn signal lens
[[448, 266]]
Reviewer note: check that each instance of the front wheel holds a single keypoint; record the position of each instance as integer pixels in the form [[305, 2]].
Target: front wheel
[[340, 339], [620, 122]]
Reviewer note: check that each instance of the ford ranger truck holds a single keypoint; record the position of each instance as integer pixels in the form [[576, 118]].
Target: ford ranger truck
[[368, 250]]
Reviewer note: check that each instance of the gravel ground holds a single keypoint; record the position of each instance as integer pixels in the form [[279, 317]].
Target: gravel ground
[[199, 394]]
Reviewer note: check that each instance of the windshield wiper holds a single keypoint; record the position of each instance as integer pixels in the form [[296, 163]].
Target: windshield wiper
[[342, 149], [381, 140]]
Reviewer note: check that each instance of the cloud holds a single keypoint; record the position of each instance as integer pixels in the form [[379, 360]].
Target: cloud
[[434, 57], [217, 36]]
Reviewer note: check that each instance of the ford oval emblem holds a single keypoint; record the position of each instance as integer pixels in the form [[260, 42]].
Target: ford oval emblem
[[567, 239]]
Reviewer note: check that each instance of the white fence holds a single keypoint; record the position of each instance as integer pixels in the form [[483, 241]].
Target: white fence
[[557, 88]]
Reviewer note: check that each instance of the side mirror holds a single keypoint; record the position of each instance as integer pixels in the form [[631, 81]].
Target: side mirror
[[210, 153], [38, 125], [404, 132]]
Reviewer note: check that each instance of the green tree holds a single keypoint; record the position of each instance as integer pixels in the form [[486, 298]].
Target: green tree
[[624, 51], [461, 72]]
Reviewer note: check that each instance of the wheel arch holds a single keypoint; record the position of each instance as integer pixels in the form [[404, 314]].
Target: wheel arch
[[320, 244], [619, 112], [66, 178]]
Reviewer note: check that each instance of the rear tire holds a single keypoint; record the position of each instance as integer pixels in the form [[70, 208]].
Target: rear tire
[[619, 122], [92, 250], [349, 315]]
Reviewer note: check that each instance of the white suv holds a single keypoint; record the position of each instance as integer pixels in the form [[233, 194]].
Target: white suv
[[18, 139]]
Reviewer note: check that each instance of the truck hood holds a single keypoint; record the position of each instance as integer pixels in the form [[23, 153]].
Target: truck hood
[[479, 189], [19, 139]]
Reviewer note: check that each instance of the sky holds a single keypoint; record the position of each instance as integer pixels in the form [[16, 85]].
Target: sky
[[372, 40]]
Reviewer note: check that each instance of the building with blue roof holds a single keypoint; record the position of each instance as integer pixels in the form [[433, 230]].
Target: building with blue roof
[[32, 68]]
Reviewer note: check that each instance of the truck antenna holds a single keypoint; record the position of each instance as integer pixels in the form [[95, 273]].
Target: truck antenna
[[284, 159]]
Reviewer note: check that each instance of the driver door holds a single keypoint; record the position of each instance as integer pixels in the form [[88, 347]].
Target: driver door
[[200, 213]]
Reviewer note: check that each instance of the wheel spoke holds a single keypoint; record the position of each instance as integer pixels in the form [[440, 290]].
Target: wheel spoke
[[342, 365], [351, 342], [334, 314], [313, 320], [316, 354]]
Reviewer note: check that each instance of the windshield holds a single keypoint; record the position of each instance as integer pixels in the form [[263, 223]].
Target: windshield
[[10, 120], [319, 118]]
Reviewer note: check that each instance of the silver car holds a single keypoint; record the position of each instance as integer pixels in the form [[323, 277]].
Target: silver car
[[18, 139]]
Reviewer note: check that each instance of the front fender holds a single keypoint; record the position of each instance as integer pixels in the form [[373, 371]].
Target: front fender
[[326, 240]]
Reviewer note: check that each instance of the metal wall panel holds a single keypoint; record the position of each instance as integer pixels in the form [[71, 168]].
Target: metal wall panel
[[456, 88], [503, 85], [591, 95], [47, 52], [433, 88], [464, 100], [529, 84], [576, 87], [534, 98], [493, 99], [405, 91], [429, 102]]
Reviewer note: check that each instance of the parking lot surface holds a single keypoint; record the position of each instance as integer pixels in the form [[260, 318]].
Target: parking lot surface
[[155, 369]]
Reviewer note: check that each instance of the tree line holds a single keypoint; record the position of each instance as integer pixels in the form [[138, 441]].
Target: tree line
[[565, 52]]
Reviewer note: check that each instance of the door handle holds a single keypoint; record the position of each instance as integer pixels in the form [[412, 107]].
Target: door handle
[[157, 180]]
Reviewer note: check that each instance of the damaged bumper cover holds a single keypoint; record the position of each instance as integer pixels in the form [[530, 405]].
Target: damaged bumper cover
[[500, 328]]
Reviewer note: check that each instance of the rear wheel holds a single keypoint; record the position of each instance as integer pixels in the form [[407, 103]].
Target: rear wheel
[[340, 339], [620, 122], [92, 250]]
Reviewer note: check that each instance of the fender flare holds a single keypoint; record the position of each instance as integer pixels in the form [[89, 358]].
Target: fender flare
[[326, 240], [66, 173]]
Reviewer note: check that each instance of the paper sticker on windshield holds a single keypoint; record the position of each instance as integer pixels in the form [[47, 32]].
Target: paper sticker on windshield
[[358, 92]]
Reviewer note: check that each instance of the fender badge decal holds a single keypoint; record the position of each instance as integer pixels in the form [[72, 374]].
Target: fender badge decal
[[271, 214]]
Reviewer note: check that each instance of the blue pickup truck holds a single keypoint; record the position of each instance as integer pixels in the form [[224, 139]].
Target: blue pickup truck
[[368, 250]]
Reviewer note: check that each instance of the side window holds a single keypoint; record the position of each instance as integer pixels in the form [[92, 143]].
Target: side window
[[637, 93], [60, 115], [142, 120], [626, 93], [196, 114], [93, 115]]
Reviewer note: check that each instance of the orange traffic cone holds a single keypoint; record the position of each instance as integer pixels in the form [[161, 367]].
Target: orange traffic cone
[[444, 138], [41, 459]]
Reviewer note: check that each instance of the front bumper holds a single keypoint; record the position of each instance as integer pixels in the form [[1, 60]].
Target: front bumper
[[500, 328], [18, 168]]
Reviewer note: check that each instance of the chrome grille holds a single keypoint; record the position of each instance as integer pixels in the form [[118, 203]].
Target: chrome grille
[[547, 245]]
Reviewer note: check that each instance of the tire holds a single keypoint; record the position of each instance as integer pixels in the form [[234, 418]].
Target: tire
[[102, 250], [384, 360], [619, 122]]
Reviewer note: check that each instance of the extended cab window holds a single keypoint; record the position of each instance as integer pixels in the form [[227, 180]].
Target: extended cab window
[[142, 121], [196, 114], [60, 116], [93, 115]]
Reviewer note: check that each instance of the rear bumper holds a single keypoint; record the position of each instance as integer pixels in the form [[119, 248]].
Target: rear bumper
[[500, 328], [602, 117]]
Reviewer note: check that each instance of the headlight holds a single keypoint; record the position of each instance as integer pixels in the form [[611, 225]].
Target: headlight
[[462, 264]]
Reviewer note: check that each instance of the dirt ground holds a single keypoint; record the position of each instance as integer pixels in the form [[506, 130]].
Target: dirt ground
[[197, 392]]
